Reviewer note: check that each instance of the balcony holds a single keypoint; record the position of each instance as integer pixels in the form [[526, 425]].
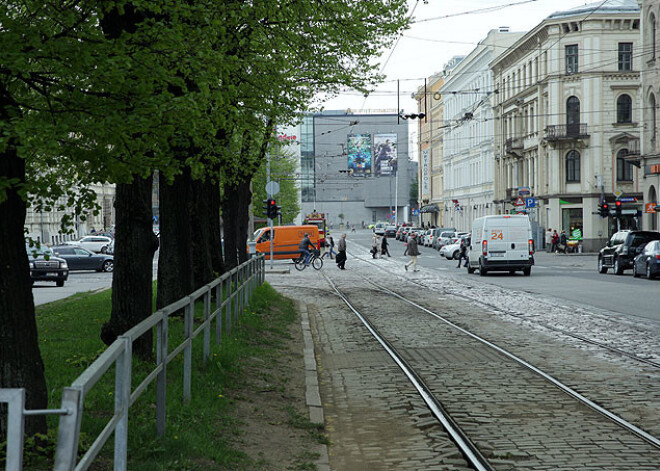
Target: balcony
[[566, 132], [513, 146]]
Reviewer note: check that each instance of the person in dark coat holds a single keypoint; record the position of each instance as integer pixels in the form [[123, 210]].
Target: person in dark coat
[[413, 250], [462, 254], [383, 247], [341, 253]]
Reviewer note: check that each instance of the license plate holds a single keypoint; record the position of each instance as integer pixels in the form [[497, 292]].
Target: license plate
[[51, 274], [497, 255]]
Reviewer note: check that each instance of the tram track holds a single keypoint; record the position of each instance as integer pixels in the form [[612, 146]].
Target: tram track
[[461, 439], [512, 313]]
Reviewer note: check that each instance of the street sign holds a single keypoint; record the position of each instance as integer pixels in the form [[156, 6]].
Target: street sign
[[628, 199], [617, 193], [651, 207], [524, 190], [530, 202], [272, 188], [520, 201], [415, 212]]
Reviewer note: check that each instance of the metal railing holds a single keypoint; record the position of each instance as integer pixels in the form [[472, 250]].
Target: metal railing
[[559, 132], [237, 286]]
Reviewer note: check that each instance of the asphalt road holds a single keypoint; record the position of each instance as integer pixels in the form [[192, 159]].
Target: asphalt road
[[78, 282], [571, 277]]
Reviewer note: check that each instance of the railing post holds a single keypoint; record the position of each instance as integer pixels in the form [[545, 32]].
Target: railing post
[[15, 400], [187, 351], [122, 402], [161, 380], [237, 299], [68, 432], [218, 307], [207, 329], [230, 301]]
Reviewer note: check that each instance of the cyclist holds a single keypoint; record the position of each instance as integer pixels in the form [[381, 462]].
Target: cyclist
[[304, 244]]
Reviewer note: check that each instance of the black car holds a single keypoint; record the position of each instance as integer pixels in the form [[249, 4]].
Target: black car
[[648, 262], [390, 231], [82, 259], [45, 266], [622, 249]]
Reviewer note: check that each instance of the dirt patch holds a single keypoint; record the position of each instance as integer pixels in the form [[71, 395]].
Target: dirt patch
[[273, 419]]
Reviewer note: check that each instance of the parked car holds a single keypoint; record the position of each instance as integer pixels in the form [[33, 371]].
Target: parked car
[[110, 248], [93, 243], [450, 251], [437, 234], [46, 266], [379, 228], [622, 249], [647, 263], [446, 238], [427, 237], [390, 231], [79, 258]]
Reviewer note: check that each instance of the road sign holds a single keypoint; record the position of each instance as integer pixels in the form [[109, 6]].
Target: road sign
[[651, 207], [272, 188], [520, 201], [415, 212], [524, 190], [617, 193], [530, 202], [628, 199]]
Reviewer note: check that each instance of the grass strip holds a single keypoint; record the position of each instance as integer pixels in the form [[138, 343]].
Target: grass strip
[[201, 434]]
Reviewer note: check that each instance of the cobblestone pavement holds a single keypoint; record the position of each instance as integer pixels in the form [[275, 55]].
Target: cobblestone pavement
[[377, 421]]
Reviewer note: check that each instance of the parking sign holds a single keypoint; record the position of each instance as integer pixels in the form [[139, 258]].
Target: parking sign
[[530, 202]]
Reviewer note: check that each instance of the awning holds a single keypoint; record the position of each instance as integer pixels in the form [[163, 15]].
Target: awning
[[430, 208]]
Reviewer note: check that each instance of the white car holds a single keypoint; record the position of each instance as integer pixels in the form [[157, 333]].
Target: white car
[[427, 238], [93, 243], [450, 251]]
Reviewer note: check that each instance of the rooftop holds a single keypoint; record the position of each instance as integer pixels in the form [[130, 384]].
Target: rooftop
[[607, 6]]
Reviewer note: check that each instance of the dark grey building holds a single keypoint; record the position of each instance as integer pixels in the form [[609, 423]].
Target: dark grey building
[[356, 166]]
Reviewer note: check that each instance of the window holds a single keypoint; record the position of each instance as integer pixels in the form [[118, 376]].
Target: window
[[625, 56], [573, 166], [624, 169], [572, 59], [653, 121], [573, 116], [624, 109], [652, 26]]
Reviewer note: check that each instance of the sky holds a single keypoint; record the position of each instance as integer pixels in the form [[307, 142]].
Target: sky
[[442, 29]]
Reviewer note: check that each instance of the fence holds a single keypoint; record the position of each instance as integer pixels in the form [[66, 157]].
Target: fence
[[237, 286]]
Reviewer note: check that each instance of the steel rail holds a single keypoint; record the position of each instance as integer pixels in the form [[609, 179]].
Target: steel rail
[[469, 449], [565, 388]]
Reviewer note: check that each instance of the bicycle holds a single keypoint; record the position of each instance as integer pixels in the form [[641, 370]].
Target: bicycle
[[315, 261]]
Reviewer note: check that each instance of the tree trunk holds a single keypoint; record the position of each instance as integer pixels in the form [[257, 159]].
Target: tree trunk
[[175, 272], [132, 278], [21, 365], [217, 258], [242, 219], [229, 218], [201, 242]]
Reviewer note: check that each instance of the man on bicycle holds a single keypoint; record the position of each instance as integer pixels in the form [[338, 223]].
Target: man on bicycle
[[304, 244]]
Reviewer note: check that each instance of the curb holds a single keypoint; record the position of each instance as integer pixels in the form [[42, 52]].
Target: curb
[[312, 393]]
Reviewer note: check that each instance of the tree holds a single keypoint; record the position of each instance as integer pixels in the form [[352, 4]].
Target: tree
[[282, 170]]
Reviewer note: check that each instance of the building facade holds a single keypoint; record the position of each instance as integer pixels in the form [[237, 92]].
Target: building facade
[[355, 167], [650, 152], [468, 153], [567, 119]]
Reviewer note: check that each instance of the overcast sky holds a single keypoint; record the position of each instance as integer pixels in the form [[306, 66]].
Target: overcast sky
[[442, 29]]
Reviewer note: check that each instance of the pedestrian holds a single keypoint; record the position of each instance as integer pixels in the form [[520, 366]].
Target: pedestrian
[[383, 247], [555, 241], [462, 254], [330, 243], [413, 251], [375, 246], [341, 253], [548, 240], [562, 242]]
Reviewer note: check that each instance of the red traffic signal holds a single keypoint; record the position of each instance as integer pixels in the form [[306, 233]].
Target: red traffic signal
[[618, 204]]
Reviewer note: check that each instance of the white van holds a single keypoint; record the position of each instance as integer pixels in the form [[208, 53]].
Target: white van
[[501, 243]]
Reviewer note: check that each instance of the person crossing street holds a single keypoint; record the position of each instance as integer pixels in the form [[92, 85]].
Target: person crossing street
[[412, 250]]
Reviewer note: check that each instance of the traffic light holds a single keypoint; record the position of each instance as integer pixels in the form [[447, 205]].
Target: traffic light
[[272, 208], [267, 207], [604, 209], [617, 207]]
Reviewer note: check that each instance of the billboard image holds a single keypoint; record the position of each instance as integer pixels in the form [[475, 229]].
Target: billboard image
[[359, 154], [385, 154]]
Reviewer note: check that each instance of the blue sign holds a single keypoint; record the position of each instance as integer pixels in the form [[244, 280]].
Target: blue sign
[[628, 199], [415, 212], [530, 202]]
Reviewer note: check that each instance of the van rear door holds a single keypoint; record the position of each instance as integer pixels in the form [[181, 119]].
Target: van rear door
[[508, 238]]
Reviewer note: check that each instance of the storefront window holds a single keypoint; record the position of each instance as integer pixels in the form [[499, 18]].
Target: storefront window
[[571, 219]]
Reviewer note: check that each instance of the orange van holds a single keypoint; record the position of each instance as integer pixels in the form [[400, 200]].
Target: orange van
[[286, 242]]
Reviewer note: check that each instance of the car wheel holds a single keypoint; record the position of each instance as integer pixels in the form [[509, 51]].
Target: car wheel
[[470, 269], [649, 274], [482, 270], [455, 255], [618, 269], [108, 266], [635, 273], [601, 267], [104, 249], [59, 283], [527, 271]]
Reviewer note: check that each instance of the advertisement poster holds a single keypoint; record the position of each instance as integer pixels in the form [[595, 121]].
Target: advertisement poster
[[359, 154], [385, 155]]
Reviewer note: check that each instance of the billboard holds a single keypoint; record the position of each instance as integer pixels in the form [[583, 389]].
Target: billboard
[[359, 154], [385, 154]]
